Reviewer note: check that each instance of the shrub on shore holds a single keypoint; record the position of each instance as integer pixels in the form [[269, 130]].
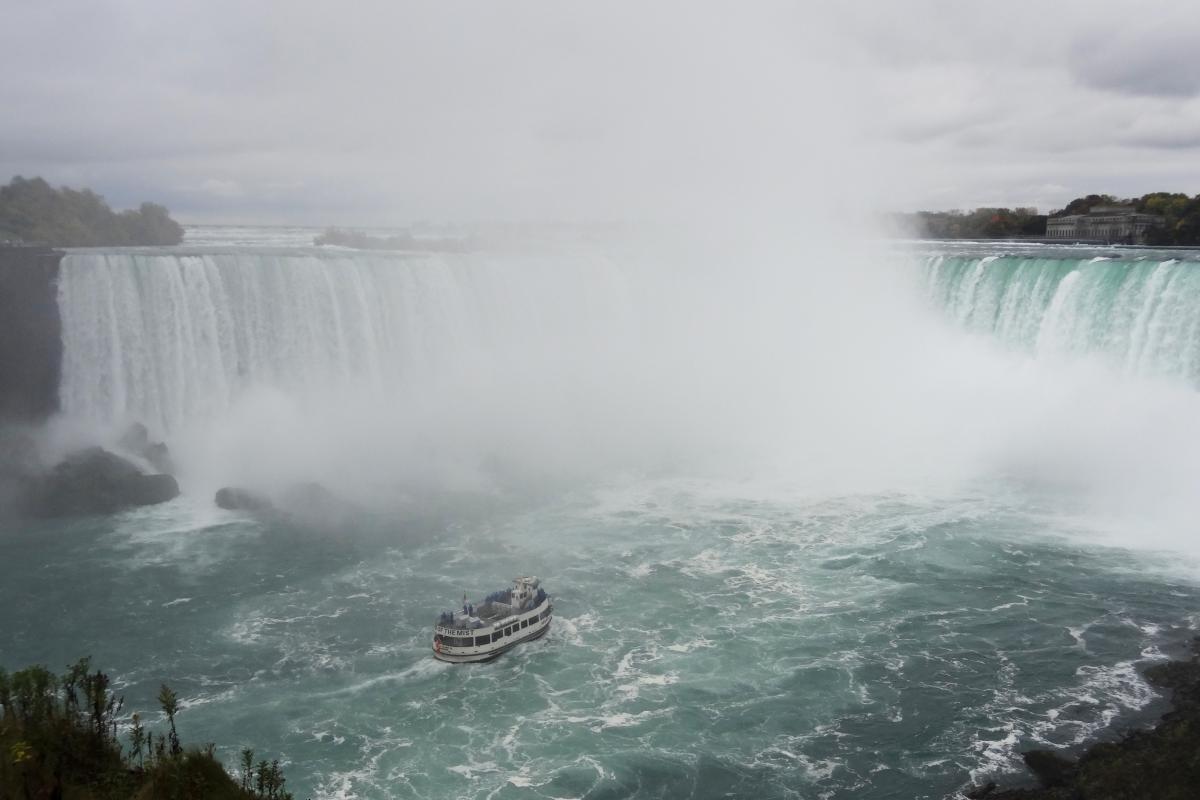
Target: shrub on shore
[[61, 737]]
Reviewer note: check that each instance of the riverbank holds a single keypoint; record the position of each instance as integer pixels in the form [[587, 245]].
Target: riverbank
[[1161, 763]]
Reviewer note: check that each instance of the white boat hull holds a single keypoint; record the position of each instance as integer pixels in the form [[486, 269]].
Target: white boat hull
[[536, 627], [478, 658]]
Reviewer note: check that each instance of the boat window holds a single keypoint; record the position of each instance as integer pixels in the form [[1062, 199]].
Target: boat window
[[508, 631], [482, 640], [545, 613], [524, 623], [456, 641]]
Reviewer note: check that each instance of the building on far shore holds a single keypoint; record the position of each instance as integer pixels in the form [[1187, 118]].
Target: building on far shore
[[1112, 224]]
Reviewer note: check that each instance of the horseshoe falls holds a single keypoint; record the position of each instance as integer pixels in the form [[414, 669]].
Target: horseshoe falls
[[816, 525], [1141, 314]]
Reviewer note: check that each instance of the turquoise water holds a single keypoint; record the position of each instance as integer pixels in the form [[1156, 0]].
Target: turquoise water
[[956, 527], [707, 640], [1138, 311]]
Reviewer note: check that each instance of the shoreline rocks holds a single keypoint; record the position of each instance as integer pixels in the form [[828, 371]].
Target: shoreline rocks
[[1160, 763]]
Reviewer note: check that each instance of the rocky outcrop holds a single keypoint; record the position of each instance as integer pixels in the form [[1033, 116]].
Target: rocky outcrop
[[1160, 763], [302, 505], [30, 332], [232, 498], [136, 441], [94, 481]]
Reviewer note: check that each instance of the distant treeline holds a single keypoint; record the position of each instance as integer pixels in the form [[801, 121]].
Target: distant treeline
[[979, 223], [1181, 214], [340, 237], [34, 212], [60, 737]]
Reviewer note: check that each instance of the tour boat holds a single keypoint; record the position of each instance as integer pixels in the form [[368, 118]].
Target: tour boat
[[499, 622]]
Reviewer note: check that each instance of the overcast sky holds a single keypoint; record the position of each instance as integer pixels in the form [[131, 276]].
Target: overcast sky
[[390, 112]]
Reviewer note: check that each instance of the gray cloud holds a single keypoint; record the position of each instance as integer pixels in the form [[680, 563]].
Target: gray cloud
[[393, 111], [1141, 58]]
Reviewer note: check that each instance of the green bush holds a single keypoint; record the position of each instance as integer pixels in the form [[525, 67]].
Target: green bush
[[34, 212], [61, 737]]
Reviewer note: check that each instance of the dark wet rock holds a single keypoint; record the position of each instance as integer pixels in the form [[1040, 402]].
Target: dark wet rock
[[30, 333], [308, 506], [1050, 768], [980, 792], [1159, 763], [136, 441], [149, 490], [232, 498], [95, 481]]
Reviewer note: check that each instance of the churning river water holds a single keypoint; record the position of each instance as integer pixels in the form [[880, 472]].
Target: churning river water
[[712, 636]]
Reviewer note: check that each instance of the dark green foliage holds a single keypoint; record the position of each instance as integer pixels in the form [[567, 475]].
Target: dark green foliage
[[60, 738], [1182, 218], [169, 703], [1181, 215], [247, 774], [1080, 205], [981, 223], [33, 211], [192, 775]]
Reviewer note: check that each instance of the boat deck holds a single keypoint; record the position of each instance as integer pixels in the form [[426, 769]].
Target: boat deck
[[486, 612]]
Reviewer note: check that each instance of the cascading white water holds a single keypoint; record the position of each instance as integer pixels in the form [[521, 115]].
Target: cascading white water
[[1139, 314], [174, 338], [362, 369]]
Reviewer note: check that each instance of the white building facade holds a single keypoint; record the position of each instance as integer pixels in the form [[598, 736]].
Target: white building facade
[[1112, 224]]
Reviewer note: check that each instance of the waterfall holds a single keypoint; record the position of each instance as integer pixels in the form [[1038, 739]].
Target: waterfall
[[1140, 315], [168, 337]]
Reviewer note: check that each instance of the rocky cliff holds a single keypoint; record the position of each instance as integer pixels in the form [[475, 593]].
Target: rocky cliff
[[30, 332]]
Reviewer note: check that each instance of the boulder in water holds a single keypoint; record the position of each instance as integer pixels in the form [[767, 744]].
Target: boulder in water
[[232, 498], [95, 481], [136, 441]]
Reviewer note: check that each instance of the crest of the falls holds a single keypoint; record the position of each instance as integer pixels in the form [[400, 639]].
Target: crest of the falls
[[1140, 314], [172, 337]]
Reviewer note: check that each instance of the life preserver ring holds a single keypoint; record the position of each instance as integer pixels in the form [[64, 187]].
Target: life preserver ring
[[437, 644]]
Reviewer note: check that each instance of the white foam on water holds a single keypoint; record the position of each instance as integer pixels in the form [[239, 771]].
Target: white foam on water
[[690, 646]]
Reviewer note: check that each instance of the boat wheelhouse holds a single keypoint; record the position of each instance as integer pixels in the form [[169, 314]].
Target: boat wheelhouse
[[499, 622]]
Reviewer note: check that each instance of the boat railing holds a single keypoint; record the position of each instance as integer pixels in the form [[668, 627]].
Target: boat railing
[[457, 630]]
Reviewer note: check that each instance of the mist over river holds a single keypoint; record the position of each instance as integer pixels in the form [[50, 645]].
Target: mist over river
[[827, 525]]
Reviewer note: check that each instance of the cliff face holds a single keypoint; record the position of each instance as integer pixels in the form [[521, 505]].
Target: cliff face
[[30, 333]]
